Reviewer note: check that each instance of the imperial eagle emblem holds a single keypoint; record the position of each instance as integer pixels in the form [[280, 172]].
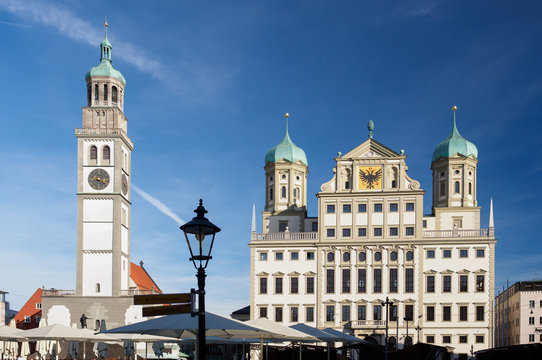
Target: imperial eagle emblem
[[370, 177]]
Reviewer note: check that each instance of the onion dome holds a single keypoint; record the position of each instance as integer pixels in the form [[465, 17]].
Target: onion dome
[[286, 150], [454, 144], [105, 68]]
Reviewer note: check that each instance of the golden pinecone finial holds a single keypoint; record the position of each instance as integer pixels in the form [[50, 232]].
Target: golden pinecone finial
[[454, 108], [106, 24], [287, 115]]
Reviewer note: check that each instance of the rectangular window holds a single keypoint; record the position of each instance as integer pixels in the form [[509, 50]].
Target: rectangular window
[[409, 280], [531, 304], [362, 232], [347, 208], [409, 231], [330, 281], [430, 339], [409, 206], [480, 313], [309, 314], [278, 285], [362, 280], [362, 312], [463, 313], [409, 312], [278, 314], [314, 226], [480, 283], [447, 283], [377, 232], [430, 254], [330, 313], [283, 225], [346, 233], [294, 285], [394, 231], [446, 313], [430, 284], [463, 283], [446, 253], [377, 312], [310, 285], [310, 255], [377, 208], [263, 312], [278, 256], [330, 233], [394, 207], [345, 313], [424, 224], [393, 313], [263, 285], [462, 339], [362, 208], [430, 313], [531, 337], [393, 280], [330, 209], [446, 339], [294, 314], [377, 288], [479, 339], [531, 320], [346, 281], [463, 253], [294, 255], [480, 253], [263, 256]]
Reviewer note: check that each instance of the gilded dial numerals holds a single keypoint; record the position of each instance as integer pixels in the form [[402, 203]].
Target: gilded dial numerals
[[124, 184], [98, 179]]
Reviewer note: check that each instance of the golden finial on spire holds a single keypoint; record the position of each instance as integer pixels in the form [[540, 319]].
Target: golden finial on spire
[[454, 108], [286, 115], [106, 24]]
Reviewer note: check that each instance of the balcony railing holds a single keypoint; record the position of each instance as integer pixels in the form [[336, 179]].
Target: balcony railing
[[285, 236], [356, 324], [133, 292], [57, 292], [456, 233]]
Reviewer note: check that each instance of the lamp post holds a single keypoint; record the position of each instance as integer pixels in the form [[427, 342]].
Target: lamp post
[[195, 232], [386, 304], [418, 328], [406, 338]]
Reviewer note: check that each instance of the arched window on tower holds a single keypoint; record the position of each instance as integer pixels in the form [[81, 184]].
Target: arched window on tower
[[106, 155], [105, 94], [96, 94], [271, 193], [93, 156], [114, 95], [98, 287], [442, 188], [89, 95], [457, 187], [470, 188], [295, 193], [283, 192]]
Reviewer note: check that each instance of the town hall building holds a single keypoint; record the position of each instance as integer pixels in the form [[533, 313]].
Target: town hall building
[[371, 241]]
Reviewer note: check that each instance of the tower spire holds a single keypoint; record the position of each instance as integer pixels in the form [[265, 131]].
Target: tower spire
[[105, 46], [454, 128], [491, 221], [371, 127]]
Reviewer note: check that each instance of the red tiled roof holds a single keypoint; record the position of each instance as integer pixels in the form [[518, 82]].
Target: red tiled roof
[[29, 308], [142, 279]]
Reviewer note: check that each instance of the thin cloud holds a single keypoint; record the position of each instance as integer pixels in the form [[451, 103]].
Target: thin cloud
[[75, 28], [15, 24], [158, 205]]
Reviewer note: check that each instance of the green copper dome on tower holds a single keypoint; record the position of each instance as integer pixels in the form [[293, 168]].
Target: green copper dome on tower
[[454, 144], [105, 68], [286, 150]]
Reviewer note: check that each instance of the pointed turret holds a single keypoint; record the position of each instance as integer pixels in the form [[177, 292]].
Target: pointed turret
[[253, 228], [491, 226]]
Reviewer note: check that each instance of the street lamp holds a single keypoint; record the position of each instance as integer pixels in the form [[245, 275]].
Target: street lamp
[[407, 341], [195, 232], [418, 328], [386, 304]]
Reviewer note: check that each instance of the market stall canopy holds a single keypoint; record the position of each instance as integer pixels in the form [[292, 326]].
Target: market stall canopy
[[61, 332], [282, 332], [8, 333], [319, 334], [346, 337]]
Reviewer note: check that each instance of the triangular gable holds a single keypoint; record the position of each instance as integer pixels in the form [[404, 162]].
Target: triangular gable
[[142, 279], [29, 308], [370, 149]]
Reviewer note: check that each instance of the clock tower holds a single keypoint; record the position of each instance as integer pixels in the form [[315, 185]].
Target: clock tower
[[103, 184]]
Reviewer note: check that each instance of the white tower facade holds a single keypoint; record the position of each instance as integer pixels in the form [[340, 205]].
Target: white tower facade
[[103, 184]]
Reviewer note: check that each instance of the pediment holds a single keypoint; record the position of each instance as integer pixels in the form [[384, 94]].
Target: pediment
[[370, 149]]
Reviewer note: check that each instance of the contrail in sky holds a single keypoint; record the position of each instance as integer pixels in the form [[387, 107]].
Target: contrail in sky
[[158, 204]]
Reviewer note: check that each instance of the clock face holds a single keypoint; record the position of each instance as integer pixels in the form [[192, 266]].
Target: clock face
[[124, 184], [98, 179], [370, 177]]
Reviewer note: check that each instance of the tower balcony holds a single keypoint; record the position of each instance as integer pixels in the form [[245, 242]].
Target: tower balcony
[[466, 233], [367, 324]]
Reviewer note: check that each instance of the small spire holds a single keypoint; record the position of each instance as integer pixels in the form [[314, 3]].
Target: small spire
[[371, 126], [106, 25], [491, 221], [253, 229], [454, 129]]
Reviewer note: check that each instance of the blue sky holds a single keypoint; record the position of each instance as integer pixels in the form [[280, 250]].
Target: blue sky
[[208, 83]]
